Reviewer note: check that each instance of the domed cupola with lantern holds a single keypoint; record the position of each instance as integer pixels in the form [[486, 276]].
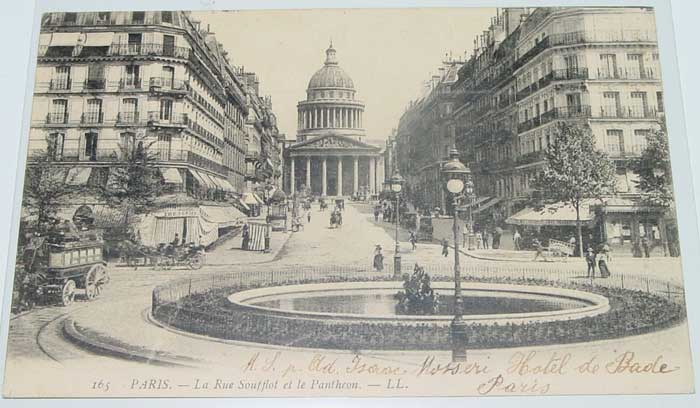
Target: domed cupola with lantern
[[330, 156]]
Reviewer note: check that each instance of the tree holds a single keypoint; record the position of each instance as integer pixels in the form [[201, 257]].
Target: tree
[[654, 169], [47, 187], [135, 182], [575, 170]]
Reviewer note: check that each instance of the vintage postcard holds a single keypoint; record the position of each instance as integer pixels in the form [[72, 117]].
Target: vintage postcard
[[348, 202]]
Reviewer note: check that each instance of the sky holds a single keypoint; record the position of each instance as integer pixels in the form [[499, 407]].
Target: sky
[[389, 53]]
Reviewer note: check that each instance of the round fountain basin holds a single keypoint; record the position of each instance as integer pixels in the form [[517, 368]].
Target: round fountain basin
[[485, 303]]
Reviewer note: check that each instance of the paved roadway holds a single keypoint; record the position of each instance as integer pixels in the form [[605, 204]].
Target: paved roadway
[[36, 338]]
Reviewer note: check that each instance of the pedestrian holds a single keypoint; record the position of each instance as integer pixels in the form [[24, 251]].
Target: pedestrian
[[486, 237], [413, 240], [603, 268], [516, 240], [645, 246], [376, 214], [465, 235], [308, 216], [590, 261], [378, 260], [497, 232], [606, 250], [539, 250], [478, 240], [572, 242], [445, 246], [246, 237]]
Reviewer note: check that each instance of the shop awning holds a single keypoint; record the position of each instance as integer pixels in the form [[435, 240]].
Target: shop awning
[[208, 181], [224, 216], [171, 175], [252, 199], [195, 175], [78, 176], [227, 186], [243, 204], [560, 214], [486, 205]]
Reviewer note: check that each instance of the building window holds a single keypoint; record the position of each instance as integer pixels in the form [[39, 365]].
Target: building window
[[134, 43], [571, 63], [639, 108], [94, 111], [70, 18], [138, 17], [61, 80], [611, 104], [640, 139], [608, 66], [166, 109], [166, 16], [90, 151], [164, 147], [131, 79], [168, 76], [96, 77], [660, 101], [168, 45], [59, 111], [615, 142], [635, 65], [126, 144], [54, 145], [129, 111], [103, 17]]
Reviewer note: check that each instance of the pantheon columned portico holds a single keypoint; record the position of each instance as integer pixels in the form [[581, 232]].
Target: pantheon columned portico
[[330, 156]]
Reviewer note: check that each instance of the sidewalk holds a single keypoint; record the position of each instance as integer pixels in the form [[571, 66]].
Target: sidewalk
[[230, 252]]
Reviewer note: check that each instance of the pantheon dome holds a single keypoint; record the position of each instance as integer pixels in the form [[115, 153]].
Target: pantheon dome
[[330, 157], [331, 106]]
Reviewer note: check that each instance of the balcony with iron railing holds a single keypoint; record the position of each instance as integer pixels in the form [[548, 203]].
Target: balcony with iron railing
[[204, 133], [553, 76], [57, 118], [92, 118], [628, 112], [147, 49], [565, 112], [129, 84], [628, 74], [168, 85], [115, 155], [128, 118], [157, 118], [94, 84], [60, 85], [531, 157], [582, 37]]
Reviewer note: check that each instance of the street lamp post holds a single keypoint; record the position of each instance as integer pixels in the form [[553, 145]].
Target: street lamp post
[[455, 174], [396, 186]]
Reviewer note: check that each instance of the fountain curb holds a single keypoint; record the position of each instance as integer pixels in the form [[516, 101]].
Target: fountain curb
[[71, 333]]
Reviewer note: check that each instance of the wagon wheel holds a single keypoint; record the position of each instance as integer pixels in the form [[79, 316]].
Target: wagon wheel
[[68, 292], [94, 279], [196, 262]]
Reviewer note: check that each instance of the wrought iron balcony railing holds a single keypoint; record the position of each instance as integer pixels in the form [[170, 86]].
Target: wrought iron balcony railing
[[149, 49], [92, 118]]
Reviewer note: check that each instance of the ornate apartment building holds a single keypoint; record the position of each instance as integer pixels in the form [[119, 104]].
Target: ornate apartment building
[[424, 136], [106, 80], [532, 69]]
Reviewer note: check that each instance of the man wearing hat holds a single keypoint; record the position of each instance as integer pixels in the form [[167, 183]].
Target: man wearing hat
[[590, 260]]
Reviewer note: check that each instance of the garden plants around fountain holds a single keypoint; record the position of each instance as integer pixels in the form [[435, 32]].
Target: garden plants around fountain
[[209, 313]]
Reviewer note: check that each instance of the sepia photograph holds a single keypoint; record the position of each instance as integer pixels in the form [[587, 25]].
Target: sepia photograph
[[347, 203]]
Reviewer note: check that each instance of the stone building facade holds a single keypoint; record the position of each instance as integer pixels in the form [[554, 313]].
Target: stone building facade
[[534, 68], [331, 156]]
